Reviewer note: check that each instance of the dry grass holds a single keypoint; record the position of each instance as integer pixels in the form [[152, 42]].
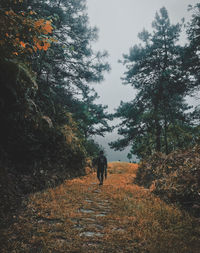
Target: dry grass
[[123, 217]]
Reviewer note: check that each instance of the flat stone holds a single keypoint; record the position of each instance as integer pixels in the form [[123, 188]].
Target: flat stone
[[102, 203], [100, 215], [103, 207], [86, 210], [92, 244], [88, 200], [89, 219], [105, 201], [96, 226], [51, 221], [78, 226], [91, 234], [96, 191], [74, 220], [41, 221], [61, 241], [120, 230]]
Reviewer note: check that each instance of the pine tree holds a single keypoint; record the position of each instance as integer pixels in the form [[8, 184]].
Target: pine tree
[[70, 65], [155, 69], [192, 51], [192, 61], [57, 45]]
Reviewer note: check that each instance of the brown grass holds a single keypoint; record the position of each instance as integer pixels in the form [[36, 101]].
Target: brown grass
[[126, 218]]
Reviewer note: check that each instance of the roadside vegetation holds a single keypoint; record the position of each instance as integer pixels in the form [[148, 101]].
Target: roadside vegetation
[[159, 124], [81, 216], [48, 109], [49, 197]]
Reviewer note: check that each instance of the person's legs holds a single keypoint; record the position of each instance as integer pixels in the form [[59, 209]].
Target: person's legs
[[98, 174], [101, 176]]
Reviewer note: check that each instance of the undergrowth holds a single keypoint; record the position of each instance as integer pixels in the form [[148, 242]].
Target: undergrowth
[[175, 177], [135, 220]]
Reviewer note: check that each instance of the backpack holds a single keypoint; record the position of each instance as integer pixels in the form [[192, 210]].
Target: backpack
[[101, 161]]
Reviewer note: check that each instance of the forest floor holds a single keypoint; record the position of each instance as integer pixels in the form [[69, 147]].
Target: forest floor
[[81, 216]]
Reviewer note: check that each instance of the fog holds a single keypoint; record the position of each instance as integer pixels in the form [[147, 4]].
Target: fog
[[119, 22]]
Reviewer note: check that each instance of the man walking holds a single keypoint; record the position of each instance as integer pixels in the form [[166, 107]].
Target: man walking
[[101, 167]]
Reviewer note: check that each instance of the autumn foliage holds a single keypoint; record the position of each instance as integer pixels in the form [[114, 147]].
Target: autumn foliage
[[23, 33], [175, 177]]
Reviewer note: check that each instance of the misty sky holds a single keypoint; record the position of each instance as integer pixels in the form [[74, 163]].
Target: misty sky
[[119, 22]]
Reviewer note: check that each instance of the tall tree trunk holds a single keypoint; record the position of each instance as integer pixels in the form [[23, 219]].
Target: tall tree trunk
[[165, 136], [157, 126], [158, 133]]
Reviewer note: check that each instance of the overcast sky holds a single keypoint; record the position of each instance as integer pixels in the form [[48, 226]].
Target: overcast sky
[[119, 22]]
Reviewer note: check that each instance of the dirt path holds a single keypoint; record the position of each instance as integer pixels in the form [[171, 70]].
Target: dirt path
[[81, 216]]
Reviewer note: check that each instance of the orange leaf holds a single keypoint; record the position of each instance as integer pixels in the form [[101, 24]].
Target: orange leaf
[[39, 23], [47, 27], [35, 48], [46, 46], [53, 39], [22, 44], [39, 46]]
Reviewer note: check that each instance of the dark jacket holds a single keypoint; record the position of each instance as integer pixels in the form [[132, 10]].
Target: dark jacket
[[102, 162]]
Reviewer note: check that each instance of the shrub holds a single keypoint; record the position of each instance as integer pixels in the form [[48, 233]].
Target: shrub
[[175, 177]]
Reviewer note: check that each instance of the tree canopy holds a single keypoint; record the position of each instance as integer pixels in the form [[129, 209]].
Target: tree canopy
[[158, 118], [48, 106]]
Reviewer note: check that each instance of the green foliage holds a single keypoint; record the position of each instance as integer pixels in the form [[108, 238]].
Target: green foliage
[[157, 119], [17, 105], [192, 61], [93, 148], [48, 109]]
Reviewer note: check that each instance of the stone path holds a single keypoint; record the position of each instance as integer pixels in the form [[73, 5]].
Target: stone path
[[74, 217], [80, 216], [88, 224]]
